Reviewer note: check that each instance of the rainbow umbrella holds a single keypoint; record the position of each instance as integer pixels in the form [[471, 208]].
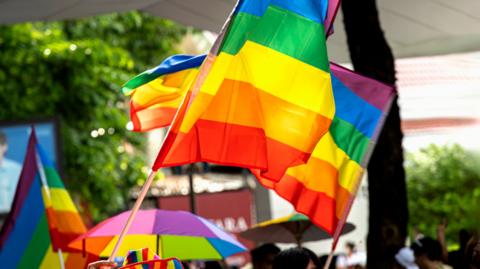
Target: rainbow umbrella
[[294, 228], [177, 234]]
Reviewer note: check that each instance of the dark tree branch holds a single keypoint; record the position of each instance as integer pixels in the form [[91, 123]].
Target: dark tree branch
[[371, 56]]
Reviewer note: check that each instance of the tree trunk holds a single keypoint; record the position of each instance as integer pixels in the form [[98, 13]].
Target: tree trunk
[[372, 57]]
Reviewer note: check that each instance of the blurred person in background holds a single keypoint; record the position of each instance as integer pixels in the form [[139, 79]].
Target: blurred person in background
[[323, 261], [9, 175], [472, 253], [456, 258], [263, 256], [352, 259], [405, 259], [296, 258], [213, 265], [428, 253]]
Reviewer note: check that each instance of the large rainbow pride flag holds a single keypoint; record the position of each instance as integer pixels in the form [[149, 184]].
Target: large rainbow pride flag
[[43, 219], [332, 174], [262, 99], [156, 94], [324, 186]]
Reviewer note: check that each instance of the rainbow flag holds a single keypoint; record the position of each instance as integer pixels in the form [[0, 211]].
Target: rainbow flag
[[43, 218], [324, 187], [145, 259], [261, 100], [332, 173], [156, 94]]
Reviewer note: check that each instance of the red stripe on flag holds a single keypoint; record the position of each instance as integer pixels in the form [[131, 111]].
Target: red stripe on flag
[[151, 118], [231, 144], [320, 208]]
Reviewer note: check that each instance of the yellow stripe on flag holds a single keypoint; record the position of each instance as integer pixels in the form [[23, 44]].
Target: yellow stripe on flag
[[51, 259], [277, 74], [61, 200]]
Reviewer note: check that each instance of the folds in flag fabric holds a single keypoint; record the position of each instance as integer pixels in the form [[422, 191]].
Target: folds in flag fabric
[[324, 187], [321, 184], [43, 218], [157, 93], [264, 99]]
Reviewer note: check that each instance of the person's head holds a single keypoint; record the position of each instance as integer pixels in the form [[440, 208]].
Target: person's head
[[428, 253], [405, 259], [472, 253], [213, 265], [262, 256], [350, 248], [298, 258], [323, 260], [185, 265], [463, 238], [475, 260], [3, 144]]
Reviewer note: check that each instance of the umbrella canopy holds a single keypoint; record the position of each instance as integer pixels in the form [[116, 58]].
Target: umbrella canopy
[[294, 228], [177, 234]]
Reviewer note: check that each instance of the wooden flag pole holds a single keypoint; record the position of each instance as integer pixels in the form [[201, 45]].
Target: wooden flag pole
[[43, 179], [329, 260], [199, 81], [133, 213]]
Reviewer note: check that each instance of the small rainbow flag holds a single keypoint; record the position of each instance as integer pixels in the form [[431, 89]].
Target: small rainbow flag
[[145, 259], [156, 94], [43, 219]]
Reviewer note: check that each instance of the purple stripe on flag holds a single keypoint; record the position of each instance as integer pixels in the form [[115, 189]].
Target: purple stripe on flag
[[333, 6], [372, 91], [27, 177]]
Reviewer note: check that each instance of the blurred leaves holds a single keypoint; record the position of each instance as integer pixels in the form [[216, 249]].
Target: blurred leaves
[[73, 71], [444, 182]]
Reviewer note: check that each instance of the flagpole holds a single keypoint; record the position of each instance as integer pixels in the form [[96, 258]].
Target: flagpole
[[43, 179], [200, 79], [60, 258], [133, 213]]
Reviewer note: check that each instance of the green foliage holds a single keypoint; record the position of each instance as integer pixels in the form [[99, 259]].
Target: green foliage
[[73, 71], [148, 37], [444, 182]]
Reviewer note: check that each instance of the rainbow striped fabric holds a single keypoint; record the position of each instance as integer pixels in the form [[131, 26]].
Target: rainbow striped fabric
[[324, 187], [264, 99], [145, 259], [332, 173], [156, 94], [43, 218], [214, 123]]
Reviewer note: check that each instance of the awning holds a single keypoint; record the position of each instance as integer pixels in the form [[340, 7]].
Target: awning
[[413, 28]]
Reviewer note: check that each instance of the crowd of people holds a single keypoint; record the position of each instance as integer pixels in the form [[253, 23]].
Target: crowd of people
[[424, 253]]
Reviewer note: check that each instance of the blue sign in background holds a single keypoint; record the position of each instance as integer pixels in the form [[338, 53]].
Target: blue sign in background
[[17, 138]]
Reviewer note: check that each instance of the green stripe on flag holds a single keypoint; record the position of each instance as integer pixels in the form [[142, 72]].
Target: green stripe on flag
[[349, 139], [38, 247], [138, 81], [53, 179], [283, 31]]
